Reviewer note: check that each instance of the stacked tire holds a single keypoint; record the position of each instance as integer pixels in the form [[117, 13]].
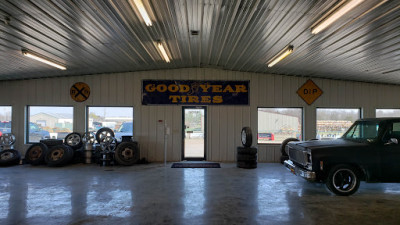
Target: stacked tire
[[35, 154], [9, 157], [127, 153], [54, 152], [246, 155], [59, 155]]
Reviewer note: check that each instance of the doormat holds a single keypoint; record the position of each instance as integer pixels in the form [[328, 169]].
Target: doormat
[[195, 165]]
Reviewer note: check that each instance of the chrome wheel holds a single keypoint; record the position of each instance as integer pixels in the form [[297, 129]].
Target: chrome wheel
[[88, 137], [73, 139], [344, 180], [7, 139]]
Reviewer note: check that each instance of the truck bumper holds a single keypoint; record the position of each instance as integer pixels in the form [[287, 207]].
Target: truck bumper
[[308, 175]]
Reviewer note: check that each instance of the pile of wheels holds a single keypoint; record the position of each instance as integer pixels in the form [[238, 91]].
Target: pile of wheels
[[246, 155], [8, 155], [52, 152], [79, 148]]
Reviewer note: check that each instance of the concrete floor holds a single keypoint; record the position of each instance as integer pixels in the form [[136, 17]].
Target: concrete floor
[[153, 194]]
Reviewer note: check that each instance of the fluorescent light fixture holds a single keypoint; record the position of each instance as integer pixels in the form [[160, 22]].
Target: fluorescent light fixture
[[281, 55], [163, 52], [334, 14], [43, 60], [139, 5]]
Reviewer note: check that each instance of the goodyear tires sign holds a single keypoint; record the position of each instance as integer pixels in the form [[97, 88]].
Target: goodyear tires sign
[[195, 92]]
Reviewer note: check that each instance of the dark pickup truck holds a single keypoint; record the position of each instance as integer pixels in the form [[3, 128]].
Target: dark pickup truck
[[368, 151]]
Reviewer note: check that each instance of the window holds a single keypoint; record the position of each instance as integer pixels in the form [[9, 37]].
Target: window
[[393, 131], [49, 122], [5, 119], [387, 112], [277, 124], [118, 119], [334, 122]]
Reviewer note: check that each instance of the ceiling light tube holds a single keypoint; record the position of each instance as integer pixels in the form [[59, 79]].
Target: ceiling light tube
[[142, 10], [331, 17], [281, 55], [43, 60], [163, 52]]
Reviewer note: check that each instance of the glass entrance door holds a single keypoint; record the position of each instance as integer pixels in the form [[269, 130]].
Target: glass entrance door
[[194, 133]]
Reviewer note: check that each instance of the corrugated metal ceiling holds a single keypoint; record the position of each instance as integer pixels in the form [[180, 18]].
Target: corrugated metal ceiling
[[92, 37]]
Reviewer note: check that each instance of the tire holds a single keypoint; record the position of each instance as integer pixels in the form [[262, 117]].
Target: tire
[[245, 158], [247, 137], [127, 153], [51, 142], [35, 154], [343, 180], [73, 140], [283, 158], [284, 143], [9, 157], [246, 165], [246, 150], [59, 155], [105, 131]]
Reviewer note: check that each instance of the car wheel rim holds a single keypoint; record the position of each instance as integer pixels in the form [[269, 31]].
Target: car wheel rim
[[73, 140], [127, 153], [243, 137], [35, 153], [88, 137], [344, 180], [56, 154], [105, 134], [7, 155]]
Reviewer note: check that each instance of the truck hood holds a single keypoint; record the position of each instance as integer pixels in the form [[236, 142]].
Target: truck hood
[[324, 144]]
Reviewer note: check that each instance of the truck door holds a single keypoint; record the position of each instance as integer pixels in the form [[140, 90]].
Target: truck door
[[390, 153]]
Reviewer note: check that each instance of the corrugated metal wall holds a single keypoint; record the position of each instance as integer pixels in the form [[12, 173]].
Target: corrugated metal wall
[[224, 122]]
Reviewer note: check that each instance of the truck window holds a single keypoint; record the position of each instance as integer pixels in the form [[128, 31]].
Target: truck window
[[393, 131], [363, 131]]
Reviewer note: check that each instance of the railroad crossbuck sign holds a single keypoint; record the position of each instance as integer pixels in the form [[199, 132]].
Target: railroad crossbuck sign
[[80, 92], [309, 92]]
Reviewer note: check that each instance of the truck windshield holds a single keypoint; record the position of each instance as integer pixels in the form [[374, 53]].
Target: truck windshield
[[363, 131]]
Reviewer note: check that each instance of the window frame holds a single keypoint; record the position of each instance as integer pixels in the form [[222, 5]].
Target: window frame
[[27, 119], [316, 115], [302, 123]]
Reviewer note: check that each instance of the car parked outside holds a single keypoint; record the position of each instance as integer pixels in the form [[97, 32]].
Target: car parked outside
[[5, 127], [36, 133], [126, 129], [266, 137]]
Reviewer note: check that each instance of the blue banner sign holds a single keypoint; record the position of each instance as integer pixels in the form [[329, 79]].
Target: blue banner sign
[[195, 92]]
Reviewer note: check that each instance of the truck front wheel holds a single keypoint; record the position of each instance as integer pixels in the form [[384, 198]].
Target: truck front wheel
[[343, 180]]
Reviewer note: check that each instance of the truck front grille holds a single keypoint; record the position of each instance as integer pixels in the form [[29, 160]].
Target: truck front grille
[[298, 156]]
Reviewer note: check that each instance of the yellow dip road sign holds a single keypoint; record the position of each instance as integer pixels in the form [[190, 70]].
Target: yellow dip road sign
[[309, 92], [80, 92]]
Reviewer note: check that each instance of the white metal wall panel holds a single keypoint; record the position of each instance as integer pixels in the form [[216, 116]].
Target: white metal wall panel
[[224, 123]]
